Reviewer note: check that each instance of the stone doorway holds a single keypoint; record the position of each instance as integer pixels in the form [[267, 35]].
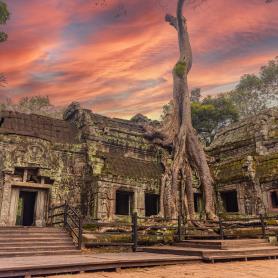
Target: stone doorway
[[26, 208]]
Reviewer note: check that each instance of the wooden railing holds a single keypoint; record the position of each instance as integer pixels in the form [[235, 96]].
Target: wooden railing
[[133, 229], [262, 226], [122, 232], [66, 216]]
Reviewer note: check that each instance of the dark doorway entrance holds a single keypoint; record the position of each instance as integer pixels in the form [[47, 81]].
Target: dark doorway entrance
[[274, 199], [151, 204], [198, 202], [229, 199], [26, 208], [124, 202]]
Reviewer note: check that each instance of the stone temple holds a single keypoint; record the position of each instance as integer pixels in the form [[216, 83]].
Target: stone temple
[[246, 165], [108, 169]]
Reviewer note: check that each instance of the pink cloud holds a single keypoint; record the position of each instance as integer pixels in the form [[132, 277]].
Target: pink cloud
[[77, 51]]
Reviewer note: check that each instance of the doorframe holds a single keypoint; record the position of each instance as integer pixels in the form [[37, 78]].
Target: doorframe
[[45, 189]]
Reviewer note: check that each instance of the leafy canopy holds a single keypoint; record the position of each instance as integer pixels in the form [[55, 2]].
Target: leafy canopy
[[254, 93], [4, 16], [40, 105], [208, 115], [212, 114]]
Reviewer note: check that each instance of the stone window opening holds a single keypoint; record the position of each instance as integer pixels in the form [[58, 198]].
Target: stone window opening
[[32, 176], [229, 200], [198, 202], [274, 199], [124, 202], [152, 204]]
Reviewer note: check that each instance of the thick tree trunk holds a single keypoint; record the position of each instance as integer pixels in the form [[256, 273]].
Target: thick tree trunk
[[188, 154]]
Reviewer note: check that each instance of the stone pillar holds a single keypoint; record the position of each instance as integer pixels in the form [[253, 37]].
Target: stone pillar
[[13, 206], [6, 199], [135, 202], [140, 202], [40, 208]]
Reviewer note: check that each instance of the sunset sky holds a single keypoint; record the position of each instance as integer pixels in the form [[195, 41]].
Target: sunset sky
[[116, 59]]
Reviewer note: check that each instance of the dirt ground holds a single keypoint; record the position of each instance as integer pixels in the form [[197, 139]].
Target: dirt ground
[[259, 269]]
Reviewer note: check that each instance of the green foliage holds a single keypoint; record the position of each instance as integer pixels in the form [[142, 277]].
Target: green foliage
[[254, 93], [4, 16], [167, 110], [208, 116], [4, 13], [37, 105], [195, 95], [212, 114], [180, 68]]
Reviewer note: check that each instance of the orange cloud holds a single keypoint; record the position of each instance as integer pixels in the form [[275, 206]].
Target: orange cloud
[[117, 59]]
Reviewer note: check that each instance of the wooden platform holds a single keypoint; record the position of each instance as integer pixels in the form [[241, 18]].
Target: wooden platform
[[42, 265], [220, 250]]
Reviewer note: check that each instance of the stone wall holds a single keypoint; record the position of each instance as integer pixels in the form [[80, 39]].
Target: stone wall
[[59, 160], [246, 161], [90, 160], [120, 159], [84, 160]]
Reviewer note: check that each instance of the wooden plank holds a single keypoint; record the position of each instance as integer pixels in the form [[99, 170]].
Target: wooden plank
[[42, 265]]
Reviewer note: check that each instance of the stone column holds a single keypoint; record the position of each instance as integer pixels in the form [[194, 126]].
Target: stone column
[[13, 206], [6, 199], [140, 202], [40, 209]]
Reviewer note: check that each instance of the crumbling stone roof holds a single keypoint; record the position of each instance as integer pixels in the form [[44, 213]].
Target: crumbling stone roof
[[54, 130], [245, 136], [247, 149], [118, 165]]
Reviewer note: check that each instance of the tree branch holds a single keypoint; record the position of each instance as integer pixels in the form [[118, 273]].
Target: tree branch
[[172, 20], [184, 42]]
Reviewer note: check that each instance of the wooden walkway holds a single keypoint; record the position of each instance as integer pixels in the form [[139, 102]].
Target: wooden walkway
[[42, 265]]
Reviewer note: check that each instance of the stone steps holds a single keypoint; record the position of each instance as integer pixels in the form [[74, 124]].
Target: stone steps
[[34, 248], [33, 241], [28, 228], [36, 244], [39, 253], [31, 234]]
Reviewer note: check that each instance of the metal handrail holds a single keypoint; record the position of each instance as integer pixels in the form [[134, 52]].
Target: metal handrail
[[71, 227]]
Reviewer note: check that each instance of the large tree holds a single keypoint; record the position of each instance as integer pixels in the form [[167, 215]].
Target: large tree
[[188, 155], [4, 16]]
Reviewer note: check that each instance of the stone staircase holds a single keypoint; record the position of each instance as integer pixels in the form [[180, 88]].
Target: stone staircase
[[35, 241], [220, 250]]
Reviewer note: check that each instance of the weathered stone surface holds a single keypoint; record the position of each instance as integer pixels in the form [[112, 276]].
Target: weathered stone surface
[[246, 160], [84, 159]]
